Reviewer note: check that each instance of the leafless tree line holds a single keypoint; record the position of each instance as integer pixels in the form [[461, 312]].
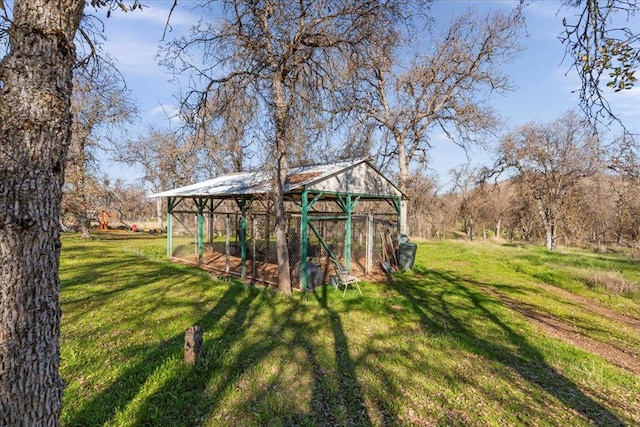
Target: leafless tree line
[[556, 182]]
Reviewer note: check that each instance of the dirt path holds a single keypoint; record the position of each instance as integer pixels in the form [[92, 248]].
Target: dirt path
[[622, 357], [592, 306]]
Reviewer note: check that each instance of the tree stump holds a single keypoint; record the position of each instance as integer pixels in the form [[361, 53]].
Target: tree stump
[[193, 345]]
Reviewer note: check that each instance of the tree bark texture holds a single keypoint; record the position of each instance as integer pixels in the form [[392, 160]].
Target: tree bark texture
[[550, 227], [282, 169], [159, 212], [403, 177], [35, 128]]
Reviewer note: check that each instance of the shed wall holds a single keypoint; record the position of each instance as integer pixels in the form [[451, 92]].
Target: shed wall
[[361, 179]]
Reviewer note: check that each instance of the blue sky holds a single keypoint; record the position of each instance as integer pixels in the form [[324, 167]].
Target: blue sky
[[544, 84]]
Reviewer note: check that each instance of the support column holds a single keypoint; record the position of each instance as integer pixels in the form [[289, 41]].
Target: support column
[[227, 242], [400, 209], [200, 235], [243, 237], [169, 227], [370, 241], [210, 227], [347, 237], [348, 206], [304, 208], [253, 248], [404, 227]]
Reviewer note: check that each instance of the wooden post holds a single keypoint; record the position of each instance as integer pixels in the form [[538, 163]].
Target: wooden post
[[193, 345]]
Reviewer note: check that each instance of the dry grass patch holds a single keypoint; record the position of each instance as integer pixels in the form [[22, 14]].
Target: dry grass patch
[[611, 281]]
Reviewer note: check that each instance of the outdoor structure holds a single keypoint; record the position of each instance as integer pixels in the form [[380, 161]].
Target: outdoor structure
[[342, 214]]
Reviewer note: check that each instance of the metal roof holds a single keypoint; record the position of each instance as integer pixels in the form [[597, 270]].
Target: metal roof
[[259, 182]]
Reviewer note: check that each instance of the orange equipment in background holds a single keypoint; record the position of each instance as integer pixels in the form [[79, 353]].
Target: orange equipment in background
[[104, 220]]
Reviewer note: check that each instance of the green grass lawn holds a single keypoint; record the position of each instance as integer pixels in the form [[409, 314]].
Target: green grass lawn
[[449, 344]]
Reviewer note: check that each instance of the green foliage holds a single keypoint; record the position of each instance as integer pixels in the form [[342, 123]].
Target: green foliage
[[602, 40], [621, 59], [439, 346]]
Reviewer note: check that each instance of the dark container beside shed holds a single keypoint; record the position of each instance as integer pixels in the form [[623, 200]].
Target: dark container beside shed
[[406, 255]]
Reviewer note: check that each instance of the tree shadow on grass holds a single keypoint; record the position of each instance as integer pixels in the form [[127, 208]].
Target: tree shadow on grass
[[101, 409], [185, 398], [239, 339], [335, 399], [436, 311], [349, 394]]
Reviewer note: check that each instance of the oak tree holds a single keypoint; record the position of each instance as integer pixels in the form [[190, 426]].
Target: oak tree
[[290, 59], [550, 160], [444, 89], [35, 130], [100, 106], [36, 71], [167, 160]]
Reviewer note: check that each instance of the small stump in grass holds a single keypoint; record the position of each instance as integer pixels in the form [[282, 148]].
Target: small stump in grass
[[193, 345]]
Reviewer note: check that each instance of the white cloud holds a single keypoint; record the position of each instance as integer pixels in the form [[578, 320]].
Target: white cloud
[[134, 38], [166, 111], [626, 104]]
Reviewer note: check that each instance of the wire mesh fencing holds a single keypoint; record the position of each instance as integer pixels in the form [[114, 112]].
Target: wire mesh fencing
[[228, 242]]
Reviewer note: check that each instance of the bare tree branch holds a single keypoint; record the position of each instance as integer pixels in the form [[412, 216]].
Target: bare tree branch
[[603, 53]]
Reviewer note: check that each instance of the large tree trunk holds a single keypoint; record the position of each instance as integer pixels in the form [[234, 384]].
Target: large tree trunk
[[282, 167], [84, 224], [403, 177], [553, 237], [550, 237], [548, 218], [35, 127], [471, 229], [159, 212]]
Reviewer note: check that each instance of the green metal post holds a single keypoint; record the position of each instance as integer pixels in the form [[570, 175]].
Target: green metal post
[[253, 248], [210, 227], [169, 227], [347, 237], [200, 242], [227, 246], [243, 239], [398, 204], [348, 206], [304, 240], [370, 241]]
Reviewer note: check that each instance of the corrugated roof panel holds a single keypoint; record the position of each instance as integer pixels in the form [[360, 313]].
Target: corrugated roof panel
[[259, 182], [240, 183]]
